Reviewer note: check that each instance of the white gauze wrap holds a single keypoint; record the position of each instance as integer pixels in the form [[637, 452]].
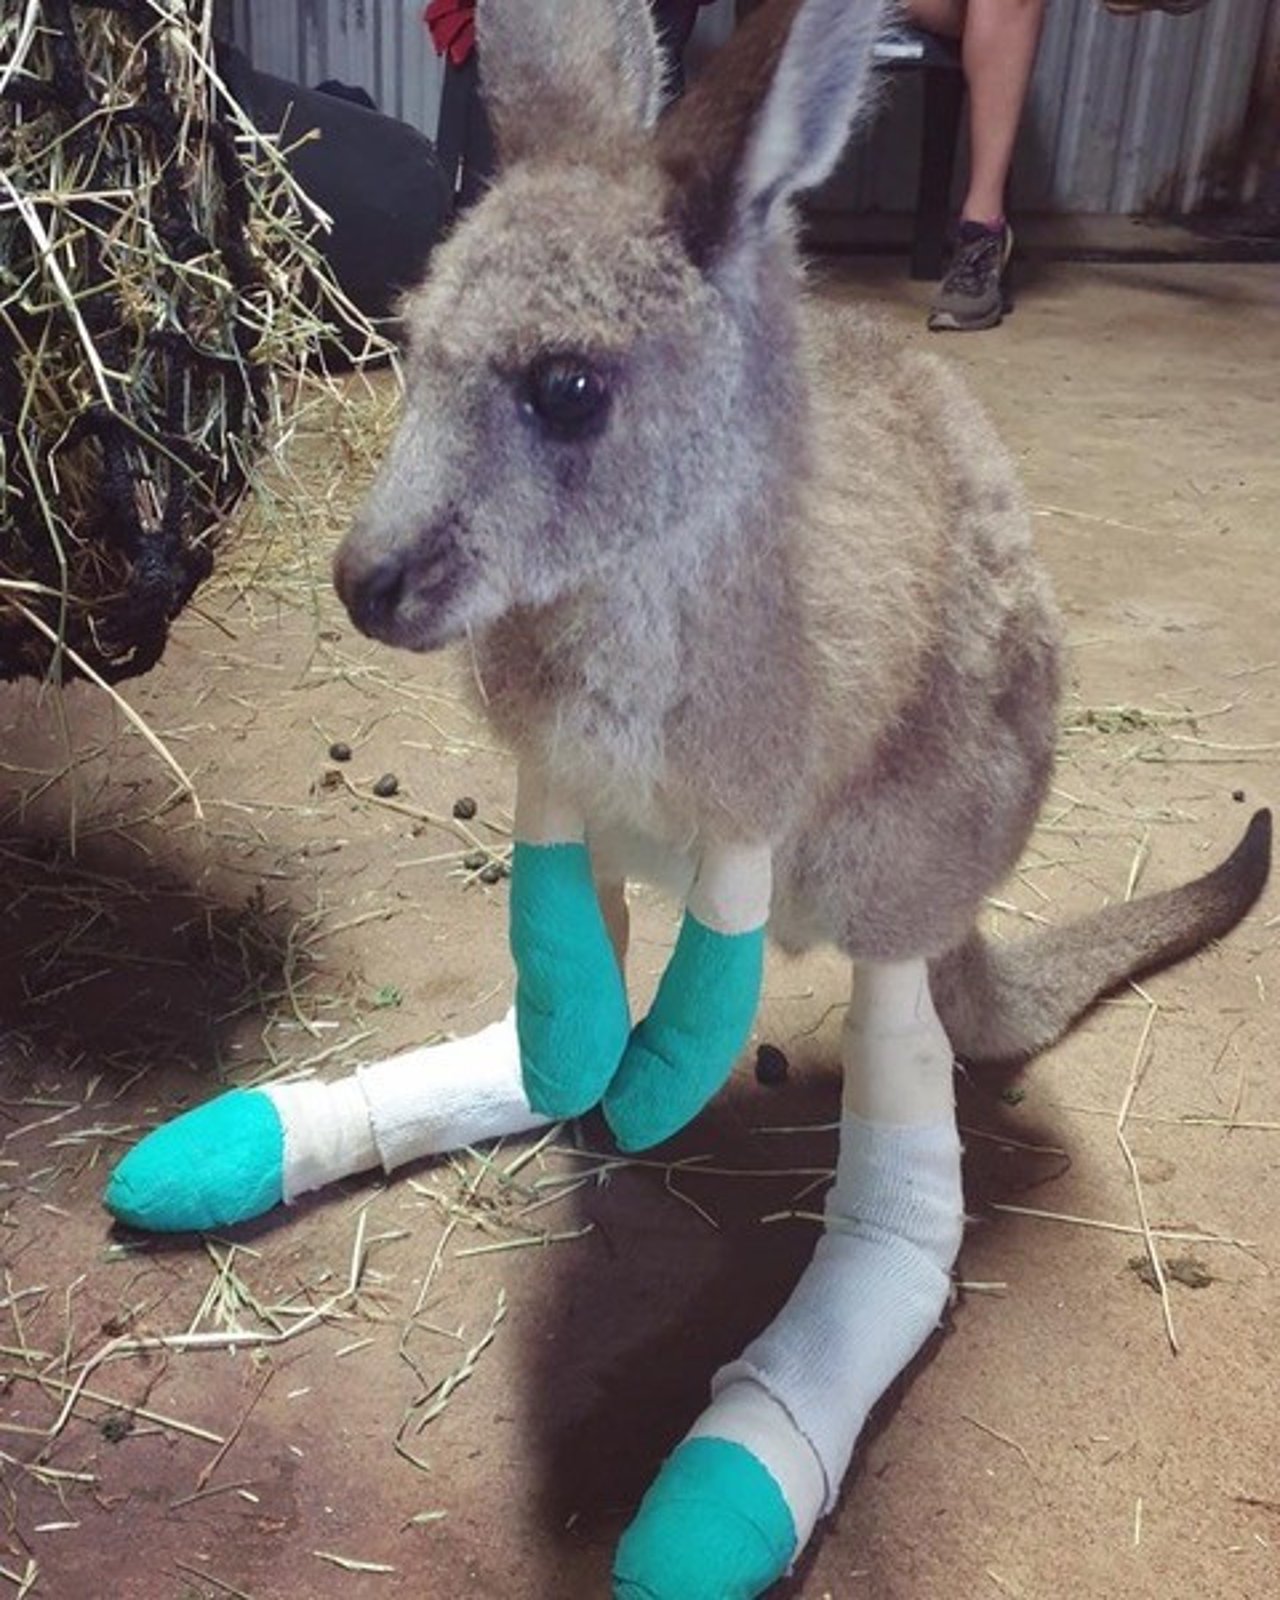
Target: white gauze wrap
[[426, 1101], [798, 1396]]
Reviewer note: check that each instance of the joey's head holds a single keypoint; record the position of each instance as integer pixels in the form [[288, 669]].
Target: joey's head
[[601, 360]]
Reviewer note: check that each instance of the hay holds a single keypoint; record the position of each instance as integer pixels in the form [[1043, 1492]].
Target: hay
[[160, 296]]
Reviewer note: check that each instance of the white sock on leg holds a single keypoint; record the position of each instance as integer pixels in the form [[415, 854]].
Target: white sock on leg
[[797, 1398], [426, 1101], [863, 1307]]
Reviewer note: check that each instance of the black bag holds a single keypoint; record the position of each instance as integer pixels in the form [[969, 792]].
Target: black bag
[[377, 177]]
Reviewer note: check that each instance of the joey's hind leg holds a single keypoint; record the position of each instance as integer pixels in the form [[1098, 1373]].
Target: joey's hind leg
[[239, 1155], [736, 1502]]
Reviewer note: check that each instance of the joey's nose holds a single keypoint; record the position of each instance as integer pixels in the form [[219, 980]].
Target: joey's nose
[[371, 591]]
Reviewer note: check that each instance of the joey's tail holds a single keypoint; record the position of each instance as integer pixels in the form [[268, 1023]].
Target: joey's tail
[[1005, 1002]]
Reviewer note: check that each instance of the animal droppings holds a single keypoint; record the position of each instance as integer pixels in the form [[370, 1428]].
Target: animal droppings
[[772, 1066]]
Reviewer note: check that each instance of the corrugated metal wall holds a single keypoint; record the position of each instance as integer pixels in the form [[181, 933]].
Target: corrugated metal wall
[[1126, 114], [381, 45], [1137, 114]]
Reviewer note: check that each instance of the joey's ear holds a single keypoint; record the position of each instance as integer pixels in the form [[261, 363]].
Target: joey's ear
[[771, 116], [561, 75]]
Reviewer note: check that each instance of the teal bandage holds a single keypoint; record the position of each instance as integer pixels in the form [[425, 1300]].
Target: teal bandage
[[714, 1526], [209, 1168], [686, 1047], [571, 1003]]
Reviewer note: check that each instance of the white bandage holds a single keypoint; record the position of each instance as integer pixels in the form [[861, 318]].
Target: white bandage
[[733, 887], [868, 1300], [326, 1133], [879, 1279], [445, 1096], [426, 1101], [896, 1055], [751, 1416]]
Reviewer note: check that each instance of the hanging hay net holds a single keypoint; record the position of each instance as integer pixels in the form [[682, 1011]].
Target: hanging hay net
[[160, 294]]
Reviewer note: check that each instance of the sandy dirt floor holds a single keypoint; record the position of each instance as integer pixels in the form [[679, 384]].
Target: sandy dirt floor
[[508, 1344]]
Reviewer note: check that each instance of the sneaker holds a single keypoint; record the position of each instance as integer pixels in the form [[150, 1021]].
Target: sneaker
[[974, 292]]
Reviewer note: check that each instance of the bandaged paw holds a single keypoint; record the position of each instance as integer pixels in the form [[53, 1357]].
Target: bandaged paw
[[571, 1004], [209, 1168], [246, 1152], [714, 1526], [241, 1155], [873, 1293], [684, 1050], [784, 1418]]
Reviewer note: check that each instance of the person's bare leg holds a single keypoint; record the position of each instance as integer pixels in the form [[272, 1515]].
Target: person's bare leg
[[998, 42], [998, 47]]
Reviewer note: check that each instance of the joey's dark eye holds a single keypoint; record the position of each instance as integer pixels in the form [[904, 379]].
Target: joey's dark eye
[[567, 395]]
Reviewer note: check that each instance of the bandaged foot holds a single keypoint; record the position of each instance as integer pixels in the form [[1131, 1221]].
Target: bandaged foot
[[680, 1055], [252, 1149], [571, 1003], [737, 1501], [571, 1000]]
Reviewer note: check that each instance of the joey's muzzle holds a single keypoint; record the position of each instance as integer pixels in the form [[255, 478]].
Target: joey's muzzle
[[402, 591]]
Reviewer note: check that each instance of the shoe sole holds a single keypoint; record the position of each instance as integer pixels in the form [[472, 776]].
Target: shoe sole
[[949, 322]]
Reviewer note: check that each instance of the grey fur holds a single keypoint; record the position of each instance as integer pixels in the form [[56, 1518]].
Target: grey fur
[[789, 592], [565, 71]]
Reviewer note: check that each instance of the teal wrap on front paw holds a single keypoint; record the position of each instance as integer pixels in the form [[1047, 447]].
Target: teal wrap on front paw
[[209, 1168], [571, 1003], [714, 1526], [683, 1051]]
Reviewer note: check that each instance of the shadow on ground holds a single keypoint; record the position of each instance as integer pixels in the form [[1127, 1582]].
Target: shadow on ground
[[115, 965], [636, 1321]]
